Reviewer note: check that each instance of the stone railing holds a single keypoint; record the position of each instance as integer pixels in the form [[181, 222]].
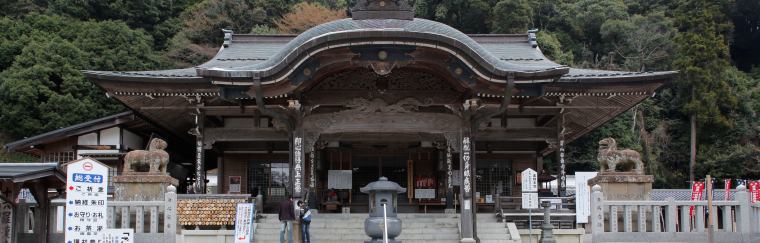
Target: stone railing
[[671, 221], [153, 221]]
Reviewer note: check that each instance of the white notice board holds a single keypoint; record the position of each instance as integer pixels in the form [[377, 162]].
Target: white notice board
[[530, 200], [529, 189], [339, 179], [583, 196], [86, 200], [117, 236], [424, 193], [244, 223], [529, 180]]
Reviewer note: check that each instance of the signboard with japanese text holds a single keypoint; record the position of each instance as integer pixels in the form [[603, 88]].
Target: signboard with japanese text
[[235, 182], [244, 223], [529, 200], [529, 179], [86, 200], [339, 179], [424, 193], [117, 236], [583, 196], [297, 165], [466, 165]]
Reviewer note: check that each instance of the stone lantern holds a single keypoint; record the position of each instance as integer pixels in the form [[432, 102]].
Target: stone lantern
[[383, 192]]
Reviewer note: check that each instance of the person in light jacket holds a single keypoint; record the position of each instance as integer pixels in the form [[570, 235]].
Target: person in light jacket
[[305, 221]]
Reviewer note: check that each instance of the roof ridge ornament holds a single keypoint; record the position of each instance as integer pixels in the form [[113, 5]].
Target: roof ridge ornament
[[532, 39], [227, 37], [382, 9]]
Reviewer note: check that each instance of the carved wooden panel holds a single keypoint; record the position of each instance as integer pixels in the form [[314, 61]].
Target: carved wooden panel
[[399, 79]]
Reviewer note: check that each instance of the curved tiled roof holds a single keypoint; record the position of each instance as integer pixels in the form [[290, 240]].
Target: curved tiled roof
[[247, 54], [347, 32]]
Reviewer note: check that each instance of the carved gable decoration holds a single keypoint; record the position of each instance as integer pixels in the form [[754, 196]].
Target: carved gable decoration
[[401, 79]]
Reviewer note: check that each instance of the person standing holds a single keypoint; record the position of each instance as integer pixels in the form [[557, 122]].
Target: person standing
[[286, 216], [305, 221]]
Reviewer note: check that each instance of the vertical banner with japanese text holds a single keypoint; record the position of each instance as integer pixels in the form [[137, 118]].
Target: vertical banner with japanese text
[[727, 189], [244, 223], [697, 190]]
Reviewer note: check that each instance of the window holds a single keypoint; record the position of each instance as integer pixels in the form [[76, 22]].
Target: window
[[271, 179], [62, 157], [494, 177]]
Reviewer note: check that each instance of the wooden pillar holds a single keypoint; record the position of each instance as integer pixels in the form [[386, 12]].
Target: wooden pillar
[[449, 177], [220, 176], [39, 191], [200, 160], [297, 157], [466, 166], [539, 162], [562, 180], [17, 217]]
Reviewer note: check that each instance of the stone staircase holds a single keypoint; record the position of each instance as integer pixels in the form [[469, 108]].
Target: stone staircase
[[492, 231], [338, 228]]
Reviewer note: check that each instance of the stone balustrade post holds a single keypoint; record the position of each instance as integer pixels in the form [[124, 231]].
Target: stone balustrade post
[[742, 210], [597, 212], [170, 214]]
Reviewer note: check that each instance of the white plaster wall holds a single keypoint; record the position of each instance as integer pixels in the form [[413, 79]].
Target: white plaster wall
[[132, 140], [88, 139], [111, 136]]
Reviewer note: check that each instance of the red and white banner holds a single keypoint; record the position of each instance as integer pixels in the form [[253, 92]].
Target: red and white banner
[[754, 191], [697, 190], [727, 190]]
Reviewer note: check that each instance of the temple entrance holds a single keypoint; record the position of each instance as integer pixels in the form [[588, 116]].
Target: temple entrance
[[411, 165]]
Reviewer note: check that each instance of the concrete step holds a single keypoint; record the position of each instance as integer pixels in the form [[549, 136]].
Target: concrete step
[[492, 230], [360, 241], [417, 228]]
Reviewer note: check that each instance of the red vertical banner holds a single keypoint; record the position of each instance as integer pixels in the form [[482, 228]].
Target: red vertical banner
[[697, 190], [754, 191], [727, 189]]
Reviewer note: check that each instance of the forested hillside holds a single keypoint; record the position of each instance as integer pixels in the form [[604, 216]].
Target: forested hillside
[[715, 44]]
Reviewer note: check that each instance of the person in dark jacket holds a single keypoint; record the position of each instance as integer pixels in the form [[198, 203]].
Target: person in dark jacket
[[305, 221], [287, 215]]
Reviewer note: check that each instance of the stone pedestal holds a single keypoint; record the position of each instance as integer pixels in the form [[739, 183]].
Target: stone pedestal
[[142, 187], [624, 186]]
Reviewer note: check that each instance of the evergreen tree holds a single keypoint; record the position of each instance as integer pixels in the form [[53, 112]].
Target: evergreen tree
[[702, 56]]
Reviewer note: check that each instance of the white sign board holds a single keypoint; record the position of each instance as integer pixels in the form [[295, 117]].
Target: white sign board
[[424, 193], [117, 236], [339, 179], [86, 200], [583, 196], [244, 223], [529, 189], [529, 200], [529, 180]]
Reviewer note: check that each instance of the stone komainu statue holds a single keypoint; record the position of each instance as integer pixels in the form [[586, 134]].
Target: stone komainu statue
[[155, 158], [610, 157]]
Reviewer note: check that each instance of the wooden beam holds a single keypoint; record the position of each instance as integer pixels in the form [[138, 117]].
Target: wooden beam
[[517, 134], [214, 134]]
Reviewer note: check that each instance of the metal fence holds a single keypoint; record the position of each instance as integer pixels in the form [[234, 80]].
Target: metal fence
[[674, 221]]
